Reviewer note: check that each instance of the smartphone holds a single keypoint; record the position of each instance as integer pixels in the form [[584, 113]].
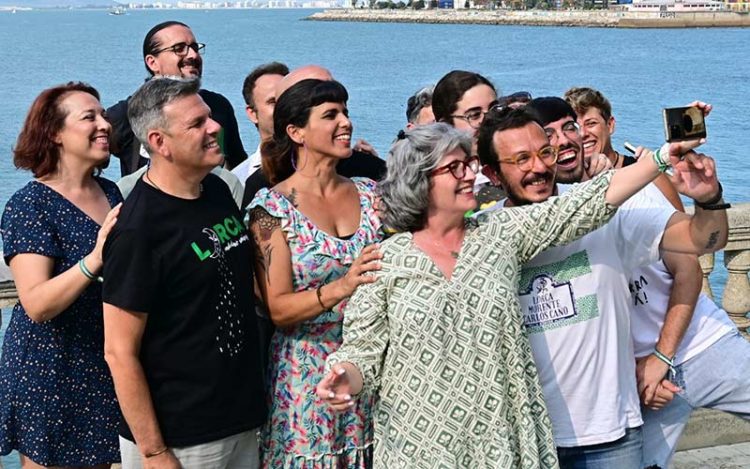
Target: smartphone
[[684, 123], [629, 147]]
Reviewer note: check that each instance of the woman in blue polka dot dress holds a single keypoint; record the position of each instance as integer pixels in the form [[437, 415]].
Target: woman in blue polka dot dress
[[57, 401]]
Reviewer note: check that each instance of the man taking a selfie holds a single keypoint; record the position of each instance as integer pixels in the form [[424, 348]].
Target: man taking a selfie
[[575, 298]]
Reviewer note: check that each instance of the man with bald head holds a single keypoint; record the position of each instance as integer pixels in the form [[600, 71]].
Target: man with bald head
[[305, 72], [362, 163]]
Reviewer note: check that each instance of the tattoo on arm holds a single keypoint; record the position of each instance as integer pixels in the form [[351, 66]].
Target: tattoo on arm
[[263, 225], [265, 222], [713, 238], [292, 197], [266, 260]]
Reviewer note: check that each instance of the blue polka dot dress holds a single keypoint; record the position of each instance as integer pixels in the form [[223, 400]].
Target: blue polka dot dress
[[57, 400]]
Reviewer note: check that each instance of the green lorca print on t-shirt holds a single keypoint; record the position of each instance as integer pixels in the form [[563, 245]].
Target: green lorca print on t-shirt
[[547, 297], [227, 232]]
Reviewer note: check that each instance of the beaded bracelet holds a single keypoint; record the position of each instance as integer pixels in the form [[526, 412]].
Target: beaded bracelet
[[87, 272]]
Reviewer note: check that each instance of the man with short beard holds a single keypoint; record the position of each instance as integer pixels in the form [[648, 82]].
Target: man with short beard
[[560, 124], [672, 318], [170, 49], [575, 298]]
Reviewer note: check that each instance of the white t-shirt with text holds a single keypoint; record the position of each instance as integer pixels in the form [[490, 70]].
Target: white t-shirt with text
[[576, 306]]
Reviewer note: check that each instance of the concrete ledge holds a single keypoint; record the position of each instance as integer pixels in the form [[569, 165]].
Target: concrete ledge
[[708, 428]]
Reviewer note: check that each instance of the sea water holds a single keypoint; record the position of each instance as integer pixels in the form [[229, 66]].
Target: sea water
[[640, 71]]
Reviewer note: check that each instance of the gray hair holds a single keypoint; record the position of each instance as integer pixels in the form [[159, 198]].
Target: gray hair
[[418, 101], [405, 190], [146, 106]]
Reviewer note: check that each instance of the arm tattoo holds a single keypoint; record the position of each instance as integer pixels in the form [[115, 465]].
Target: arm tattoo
[[266, 260], [263, 225], [713, 238], [292, 197], [265, 222]]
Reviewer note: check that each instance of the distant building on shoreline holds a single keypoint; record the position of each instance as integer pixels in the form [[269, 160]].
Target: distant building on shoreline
[[676, 6]]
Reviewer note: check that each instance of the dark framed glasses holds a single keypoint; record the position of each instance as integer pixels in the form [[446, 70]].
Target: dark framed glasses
[[571, 129], [525, 160], [181, 48], [457, 168]]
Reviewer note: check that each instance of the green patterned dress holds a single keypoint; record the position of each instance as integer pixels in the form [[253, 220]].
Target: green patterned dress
[[449, 359]]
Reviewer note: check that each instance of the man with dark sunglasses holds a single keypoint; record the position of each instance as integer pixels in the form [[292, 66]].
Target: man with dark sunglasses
[[514, 100], [575, 298], [170, 49]]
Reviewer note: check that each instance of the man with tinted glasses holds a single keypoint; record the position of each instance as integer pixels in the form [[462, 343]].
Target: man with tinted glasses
[[575, 298], [170, 49]]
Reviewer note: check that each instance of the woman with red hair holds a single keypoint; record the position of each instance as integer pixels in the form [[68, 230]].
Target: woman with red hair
[[57, 401]]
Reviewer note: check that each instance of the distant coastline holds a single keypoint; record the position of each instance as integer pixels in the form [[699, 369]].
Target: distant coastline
[[577, 18]]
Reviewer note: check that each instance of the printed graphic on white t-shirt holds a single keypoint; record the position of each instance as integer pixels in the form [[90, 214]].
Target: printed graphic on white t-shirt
[[547, 296]]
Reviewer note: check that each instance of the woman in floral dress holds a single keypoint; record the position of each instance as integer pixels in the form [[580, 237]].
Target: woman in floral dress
[[315, 233]]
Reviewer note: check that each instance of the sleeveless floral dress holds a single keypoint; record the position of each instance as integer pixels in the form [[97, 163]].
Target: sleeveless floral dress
[[302, 431]]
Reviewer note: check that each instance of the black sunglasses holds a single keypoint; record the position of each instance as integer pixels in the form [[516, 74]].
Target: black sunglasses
[[520, 97]]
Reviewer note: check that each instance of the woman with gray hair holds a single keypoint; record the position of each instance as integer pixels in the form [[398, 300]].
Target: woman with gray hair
[[439, 336]]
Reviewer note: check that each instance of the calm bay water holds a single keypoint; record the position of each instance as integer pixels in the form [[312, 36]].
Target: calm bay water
[[640, 71]]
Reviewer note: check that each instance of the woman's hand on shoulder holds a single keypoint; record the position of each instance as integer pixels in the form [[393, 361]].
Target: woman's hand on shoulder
[[95, 257], [361, 270]]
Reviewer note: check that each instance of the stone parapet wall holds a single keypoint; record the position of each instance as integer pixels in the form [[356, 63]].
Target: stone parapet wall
[[589, 18]]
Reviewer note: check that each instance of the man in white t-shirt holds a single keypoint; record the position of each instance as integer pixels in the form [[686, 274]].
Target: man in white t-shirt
[[575, 298], [711, 361], [259, 92], [670, 315]]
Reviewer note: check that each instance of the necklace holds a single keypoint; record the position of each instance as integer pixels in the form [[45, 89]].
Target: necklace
[[151, 181], [453, 253]]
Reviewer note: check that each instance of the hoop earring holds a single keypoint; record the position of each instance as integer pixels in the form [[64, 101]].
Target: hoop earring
[[304, 163], [292, 159]]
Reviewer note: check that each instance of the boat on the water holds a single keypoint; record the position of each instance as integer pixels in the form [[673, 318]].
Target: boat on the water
[[117, 11]]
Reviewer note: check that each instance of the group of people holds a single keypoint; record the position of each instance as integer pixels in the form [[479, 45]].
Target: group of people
[[503, 290]]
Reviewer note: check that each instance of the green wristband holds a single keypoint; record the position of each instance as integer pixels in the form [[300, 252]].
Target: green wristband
[[87, 272], [660, 162], [667, 360]]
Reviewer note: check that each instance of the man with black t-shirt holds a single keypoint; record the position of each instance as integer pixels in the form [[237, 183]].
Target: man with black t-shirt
[[170, 49], [180, 333]]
